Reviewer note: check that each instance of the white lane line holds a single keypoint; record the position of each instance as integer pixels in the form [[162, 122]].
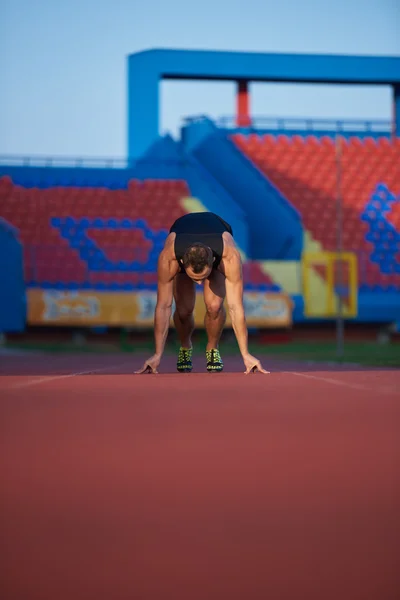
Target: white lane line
[[353, 386], [22, 384]]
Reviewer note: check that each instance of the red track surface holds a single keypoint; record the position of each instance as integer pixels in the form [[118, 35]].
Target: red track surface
[[197, 487]]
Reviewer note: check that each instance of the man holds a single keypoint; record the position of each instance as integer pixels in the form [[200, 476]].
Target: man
[[200, 250]]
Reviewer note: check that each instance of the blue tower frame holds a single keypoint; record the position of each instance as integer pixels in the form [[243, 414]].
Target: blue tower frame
[[146, 69]]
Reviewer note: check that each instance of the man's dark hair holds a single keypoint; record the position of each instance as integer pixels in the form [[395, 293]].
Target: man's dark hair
[[198, 257]]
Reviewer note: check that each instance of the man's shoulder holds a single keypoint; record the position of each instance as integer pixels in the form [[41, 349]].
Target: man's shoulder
[[231, 258], [167, 263], [170, 238], [169, 246], [230, 250]]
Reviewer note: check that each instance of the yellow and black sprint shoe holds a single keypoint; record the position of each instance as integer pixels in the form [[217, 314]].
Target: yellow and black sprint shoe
[[184, 364], [214, 361]]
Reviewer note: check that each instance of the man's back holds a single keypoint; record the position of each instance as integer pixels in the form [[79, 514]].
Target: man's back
[[205, 228]]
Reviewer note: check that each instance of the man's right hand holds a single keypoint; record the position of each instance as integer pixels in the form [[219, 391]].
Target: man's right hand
[[151, 365]]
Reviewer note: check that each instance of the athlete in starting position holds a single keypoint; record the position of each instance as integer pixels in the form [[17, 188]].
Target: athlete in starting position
[[200, 250]]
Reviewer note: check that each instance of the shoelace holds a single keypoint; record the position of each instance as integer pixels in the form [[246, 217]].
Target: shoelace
[[184, 355], [213, 356]]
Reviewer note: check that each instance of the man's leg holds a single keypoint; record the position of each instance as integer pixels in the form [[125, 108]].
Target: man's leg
[[214, 321], [185, 299]]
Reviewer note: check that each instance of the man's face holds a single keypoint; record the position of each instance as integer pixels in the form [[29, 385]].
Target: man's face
[[198, 278]]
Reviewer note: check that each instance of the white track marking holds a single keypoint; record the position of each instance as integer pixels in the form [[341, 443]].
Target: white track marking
[[22, 384], [353, 386]]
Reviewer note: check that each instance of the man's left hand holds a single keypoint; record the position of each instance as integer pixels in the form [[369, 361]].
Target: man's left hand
[[151, 365], [252, 365]]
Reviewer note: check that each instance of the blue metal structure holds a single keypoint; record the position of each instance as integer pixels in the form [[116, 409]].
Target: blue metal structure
[[147, 68], [12, 286]]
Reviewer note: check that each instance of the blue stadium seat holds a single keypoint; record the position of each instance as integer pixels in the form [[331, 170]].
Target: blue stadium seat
[[112, 223], [122, 266], [126, 224]]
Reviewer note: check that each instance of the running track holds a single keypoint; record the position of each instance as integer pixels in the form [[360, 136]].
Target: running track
[[197, 486]]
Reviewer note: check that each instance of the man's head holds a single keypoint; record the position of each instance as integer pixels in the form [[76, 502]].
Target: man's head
[[198, 261]]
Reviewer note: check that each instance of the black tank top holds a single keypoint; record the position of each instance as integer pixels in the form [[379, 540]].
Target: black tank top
[[206, 228]]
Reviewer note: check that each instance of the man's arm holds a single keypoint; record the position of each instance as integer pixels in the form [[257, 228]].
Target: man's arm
[[166, 272], [162, 314], [234, 297]]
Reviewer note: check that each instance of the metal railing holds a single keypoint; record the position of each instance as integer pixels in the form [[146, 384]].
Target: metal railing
[[10, 160], [13, 160], [308, 124]]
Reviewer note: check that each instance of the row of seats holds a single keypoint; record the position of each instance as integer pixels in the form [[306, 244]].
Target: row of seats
[[53, 279], [50, 273], [72, 184], [285, 142]]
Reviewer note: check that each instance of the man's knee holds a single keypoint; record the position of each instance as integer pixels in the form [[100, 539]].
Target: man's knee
[[184, 312], [214, 308]]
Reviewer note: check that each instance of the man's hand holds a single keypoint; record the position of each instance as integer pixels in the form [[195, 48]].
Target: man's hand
[[150, 366], [252, 365]]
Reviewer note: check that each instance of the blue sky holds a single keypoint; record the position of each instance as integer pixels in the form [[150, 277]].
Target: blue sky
[[63, 64]]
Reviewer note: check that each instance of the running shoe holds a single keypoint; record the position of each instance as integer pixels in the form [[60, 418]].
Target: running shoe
[[214, 361], [184, 364]]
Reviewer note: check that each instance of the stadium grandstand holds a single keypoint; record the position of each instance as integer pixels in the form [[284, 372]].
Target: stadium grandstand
[[290, 189]]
